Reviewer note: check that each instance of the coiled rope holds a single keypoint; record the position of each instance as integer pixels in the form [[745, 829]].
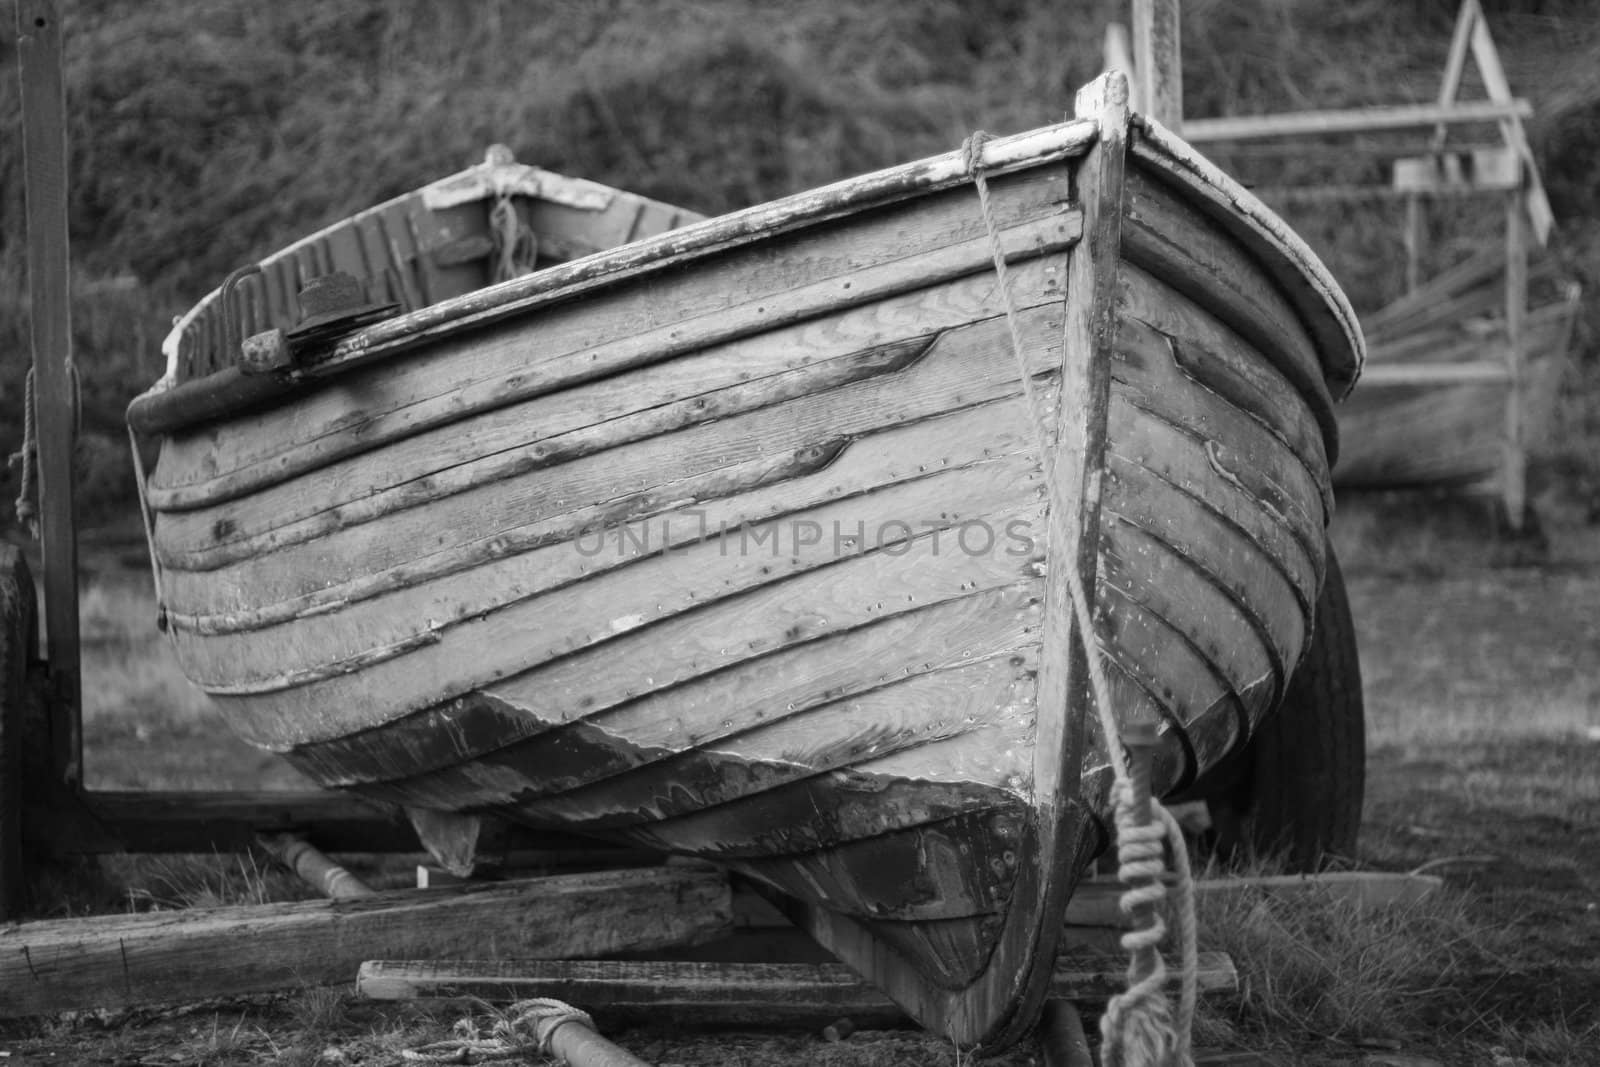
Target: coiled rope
[[26, 457], [1138, 1028], [526, 1027]]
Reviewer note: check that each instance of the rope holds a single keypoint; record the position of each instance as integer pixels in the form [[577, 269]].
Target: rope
[[140, 482], [516, 248], [1137, 1028], [527, 1027], [25, 457]]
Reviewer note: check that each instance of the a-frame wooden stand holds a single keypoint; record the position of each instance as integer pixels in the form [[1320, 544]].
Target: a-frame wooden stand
[[1506, 172]]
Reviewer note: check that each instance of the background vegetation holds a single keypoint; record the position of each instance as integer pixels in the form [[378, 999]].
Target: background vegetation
[[204, 135]]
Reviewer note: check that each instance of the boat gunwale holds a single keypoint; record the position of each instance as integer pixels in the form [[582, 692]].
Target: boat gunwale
[[159, 408], [1334, 325]]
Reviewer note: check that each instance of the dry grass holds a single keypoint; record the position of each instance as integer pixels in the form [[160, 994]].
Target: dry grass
[[145, 726], [1328, 970]]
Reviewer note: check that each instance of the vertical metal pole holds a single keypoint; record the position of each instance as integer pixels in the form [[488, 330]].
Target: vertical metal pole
[[1158, 63], [44, 128]]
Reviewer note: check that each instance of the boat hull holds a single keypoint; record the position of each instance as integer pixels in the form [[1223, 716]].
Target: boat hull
[[758, 545]]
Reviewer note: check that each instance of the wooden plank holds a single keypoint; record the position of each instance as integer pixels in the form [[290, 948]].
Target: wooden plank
[[786, 682], [1412, 236], [781, 290], [119, 960], [577, 415], [1513, 473], [55, 387], [1320, 304], [1467, 274], [1455, 64], [771, 613], [611, 570], [18, 646], [1003, 155], [766, 995], [1482, 170], [1412, 374], [1354, 120], [1158, 62], [1487, 56], [1480, 302]]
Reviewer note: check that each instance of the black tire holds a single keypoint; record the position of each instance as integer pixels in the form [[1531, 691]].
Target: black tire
[[1302, 775]]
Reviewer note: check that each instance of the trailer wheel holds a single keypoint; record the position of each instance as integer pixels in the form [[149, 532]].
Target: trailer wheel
[[1302, 776]]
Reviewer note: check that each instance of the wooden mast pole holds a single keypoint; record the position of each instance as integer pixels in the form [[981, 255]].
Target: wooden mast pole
[[1157, 62], [44, 128]]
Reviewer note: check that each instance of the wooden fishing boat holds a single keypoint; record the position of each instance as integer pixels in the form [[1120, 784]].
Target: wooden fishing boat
[[1431, 410], [736, 540]]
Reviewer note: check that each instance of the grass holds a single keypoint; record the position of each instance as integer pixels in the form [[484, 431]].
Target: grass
[[1331, 970], [145, 726]]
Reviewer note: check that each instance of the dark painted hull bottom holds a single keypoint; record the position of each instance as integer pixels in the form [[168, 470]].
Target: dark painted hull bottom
[[929, 865]]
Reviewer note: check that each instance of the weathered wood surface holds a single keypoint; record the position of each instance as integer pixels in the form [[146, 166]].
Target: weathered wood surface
[[416, 250], [1472, 29], [1354, 120], [1476, 171], [774, 297], [766, 995], [1158, 61], [1302, 279], [1453, 372], [18, 641], [155, 957], [55, 382], [397, 592], [1432, 409], [1514, 421], [1000, 155]]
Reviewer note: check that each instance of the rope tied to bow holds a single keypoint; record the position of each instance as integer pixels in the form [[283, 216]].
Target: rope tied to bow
[[1138, 1028], [526, 1027], [25, 458], [516, 247]]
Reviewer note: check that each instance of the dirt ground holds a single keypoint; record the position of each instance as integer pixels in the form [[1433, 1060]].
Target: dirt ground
[[1481, 667], [1483, 698]]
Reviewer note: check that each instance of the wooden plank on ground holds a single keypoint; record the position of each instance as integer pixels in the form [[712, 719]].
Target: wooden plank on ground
[[157, 957], [764, 994]]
